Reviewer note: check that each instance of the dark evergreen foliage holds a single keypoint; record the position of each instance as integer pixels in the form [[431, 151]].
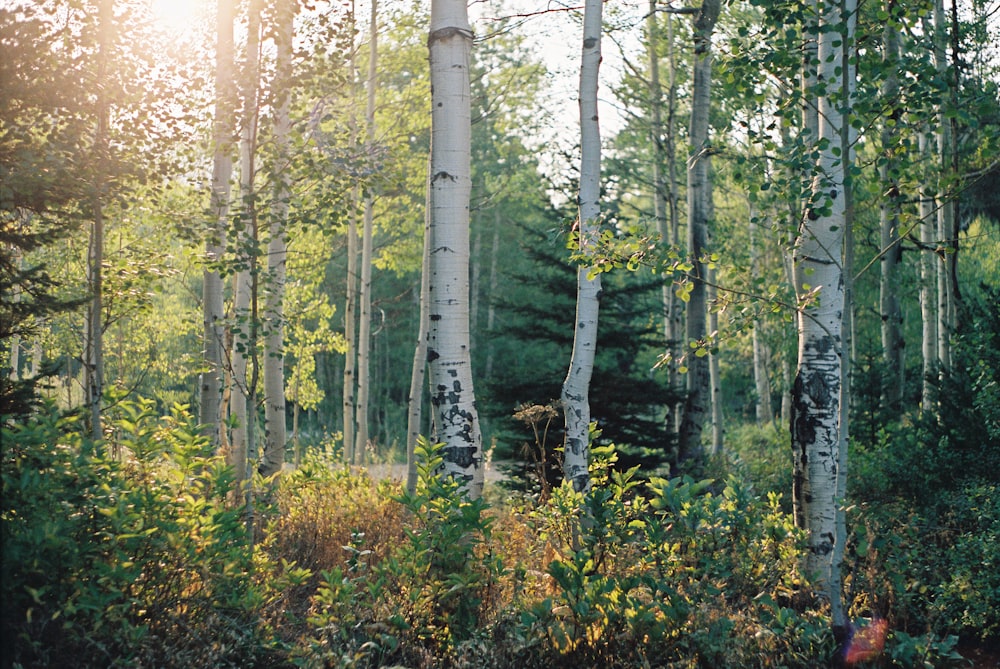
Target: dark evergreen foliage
[[628, 398]]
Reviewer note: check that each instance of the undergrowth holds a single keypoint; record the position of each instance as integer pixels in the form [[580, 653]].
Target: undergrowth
[[141, 560]]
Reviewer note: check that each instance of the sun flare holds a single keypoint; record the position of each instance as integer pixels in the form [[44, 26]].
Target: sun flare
[[178, 15]]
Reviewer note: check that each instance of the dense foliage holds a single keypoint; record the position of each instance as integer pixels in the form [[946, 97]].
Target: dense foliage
[[133, 554]]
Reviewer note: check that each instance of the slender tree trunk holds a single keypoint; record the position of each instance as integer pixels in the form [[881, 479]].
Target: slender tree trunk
[[848, 139], [244, 327], [928, 285], [415, 399], [94, 325], [350, 308], [365, 322], [490, 306], [215, 245], [659, 182], [16, 259], [36, 357], [698, 402], [945, 209], [676, 307], [448, 342], [761, 358], [817, 409], [714, 372], [576, 386], [275, 427], [889, 216]]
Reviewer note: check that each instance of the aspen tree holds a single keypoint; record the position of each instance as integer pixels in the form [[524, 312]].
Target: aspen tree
[[275, 428], [365, 321], [215, 245], [698, 402], [818, 421], [576, 386], [448, 339]]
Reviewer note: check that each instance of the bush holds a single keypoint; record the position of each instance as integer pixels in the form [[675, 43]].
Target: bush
[[691, 575], [131, 562]]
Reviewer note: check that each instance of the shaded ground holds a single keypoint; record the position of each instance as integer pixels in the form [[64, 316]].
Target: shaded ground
[[397, 472]]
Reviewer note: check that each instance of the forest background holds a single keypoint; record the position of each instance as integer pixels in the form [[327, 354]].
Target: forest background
[[170, 186]]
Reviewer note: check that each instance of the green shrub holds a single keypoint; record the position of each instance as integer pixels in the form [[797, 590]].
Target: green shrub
[[691, 574], [130, 561], [761, 455], [422, 602]]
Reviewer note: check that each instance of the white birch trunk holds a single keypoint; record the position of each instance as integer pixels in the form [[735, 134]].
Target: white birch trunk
[[16, 258], [761, 357], [494, 285], [891, 249], [699, 389], [244, 328], [349, 404], [275, 429], [365, 322], [213, 311], [928, 286], [448, 341], [945, 208], [714, 372], [676, 307], [576, 386], [93, 349], [414, 416], [817, 415]]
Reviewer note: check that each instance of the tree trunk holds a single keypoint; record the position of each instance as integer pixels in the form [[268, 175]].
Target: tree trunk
[[714, 373], [490, 305], [891, 248], [761, 357], [698, 401], [277, 251], [576, 386], [349, 404], [93, 358], [676, 307], [16, 259], [659, 183], [928, 286], [215, 244], [448, 342], [945, 208], [817, 405], [415, 399], [244, 301], [365, 322]]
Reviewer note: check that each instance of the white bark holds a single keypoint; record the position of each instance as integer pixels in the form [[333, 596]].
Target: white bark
[[820, 283], [365, 323], [244, 301], [215, 245], [714, 372], [448, 342], [698, 402], [16, 259], [349, 404], [275, 429], [576, 386], [945, 209], [928, 289], [494, 285], [761, 356], [415, 400], [891, 248], [93, 347]]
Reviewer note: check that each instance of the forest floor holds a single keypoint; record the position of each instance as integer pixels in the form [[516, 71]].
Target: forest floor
[[982, 657], [397, 472]]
